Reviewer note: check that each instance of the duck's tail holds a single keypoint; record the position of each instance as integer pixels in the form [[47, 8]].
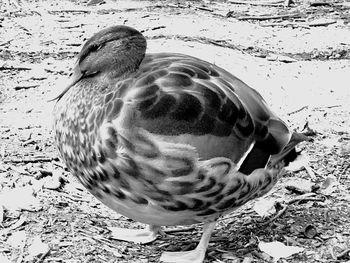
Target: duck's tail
[[259, 157], [289, 153]]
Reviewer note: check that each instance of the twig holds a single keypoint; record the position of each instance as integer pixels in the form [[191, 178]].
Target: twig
[[58, 164], [204, 40], [32, 160], [176, 230], [26, 87], [265, 17], [277, 3], [320, 3], [73, 44], [75, 199], [98, 238], [14, 68], [234, 215], [343, 254], [157, 27], [310, 172], [7, 42], [303, 25], [177, 5], [30, 141], [327, 107], [298, 110], [70, 11], [305, 198], [43, 256], [14, 226], [205, 9], [280, 213], [324, 23], [70, 27], [259, 256]]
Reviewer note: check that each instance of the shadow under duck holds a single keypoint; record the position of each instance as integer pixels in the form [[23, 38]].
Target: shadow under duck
[[166, 139]]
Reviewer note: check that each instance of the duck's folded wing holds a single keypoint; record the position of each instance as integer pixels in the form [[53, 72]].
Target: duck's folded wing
[[176, 94]]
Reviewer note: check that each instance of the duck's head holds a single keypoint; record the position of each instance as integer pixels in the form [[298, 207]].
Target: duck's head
[[115, 49], [112, 52]]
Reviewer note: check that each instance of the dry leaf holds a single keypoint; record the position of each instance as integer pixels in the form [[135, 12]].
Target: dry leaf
[[299, 185], [17, 224], [278, 250], [344, 149], [18, 199], [329, 185], [117, 254], [248, 259], [17, 239], [299, 163], [281, 58], [265, 207], [138, 236], [53, 182], [4, 259], [36, 248], [231, 257]]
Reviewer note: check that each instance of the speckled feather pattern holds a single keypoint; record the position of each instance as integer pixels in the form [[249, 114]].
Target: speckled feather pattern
[[162, 145]]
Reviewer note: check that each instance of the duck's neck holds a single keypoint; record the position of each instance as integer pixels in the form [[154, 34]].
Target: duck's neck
[[124, 71], [128, 58]]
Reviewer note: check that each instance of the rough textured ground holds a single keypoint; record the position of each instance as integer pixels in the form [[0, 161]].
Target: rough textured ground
[[300, 64]]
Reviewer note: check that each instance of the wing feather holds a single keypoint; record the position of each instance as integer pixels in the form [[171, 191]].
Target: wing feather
[[176, 94]]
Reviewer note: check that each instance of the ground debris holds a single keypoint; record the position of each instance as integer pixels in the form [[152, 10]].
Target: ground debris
[[296, 56]]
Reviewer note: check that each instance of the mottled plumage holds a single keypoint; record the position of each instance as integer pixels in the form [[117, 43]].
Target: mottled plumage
[[160, 138]]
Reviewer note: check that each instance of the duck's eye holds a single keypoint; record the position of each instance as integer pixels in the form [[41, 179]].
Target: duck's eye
[[95, 48], [88, 50]]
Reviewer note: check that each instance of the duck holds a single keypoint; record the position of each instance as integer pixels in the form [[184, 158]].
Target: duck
[[166, 139]]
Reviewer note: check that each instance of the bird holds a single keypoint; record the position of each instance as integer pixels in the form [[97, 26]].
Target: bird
[[166, 139]]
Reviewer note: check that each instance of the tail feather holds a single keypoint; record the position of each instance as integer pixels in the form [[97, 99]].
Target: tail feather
[[289, 153], [259, 157]]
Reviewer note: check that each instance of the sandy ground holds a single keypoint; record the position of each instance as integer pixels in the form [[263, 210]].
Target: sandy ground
[[301, 70]]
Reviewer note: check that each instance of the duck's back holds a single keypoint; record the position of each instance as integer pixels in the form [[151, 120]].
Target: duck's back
[[183, 99]]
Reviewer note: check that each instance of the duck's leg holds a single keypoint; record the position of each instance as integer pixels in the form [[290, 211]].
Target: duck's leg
[[193, 256], [141, 236]]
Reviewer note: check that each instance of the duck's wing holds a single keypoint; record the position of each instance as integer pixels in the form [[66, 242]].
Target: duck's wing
[[177, 94]]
